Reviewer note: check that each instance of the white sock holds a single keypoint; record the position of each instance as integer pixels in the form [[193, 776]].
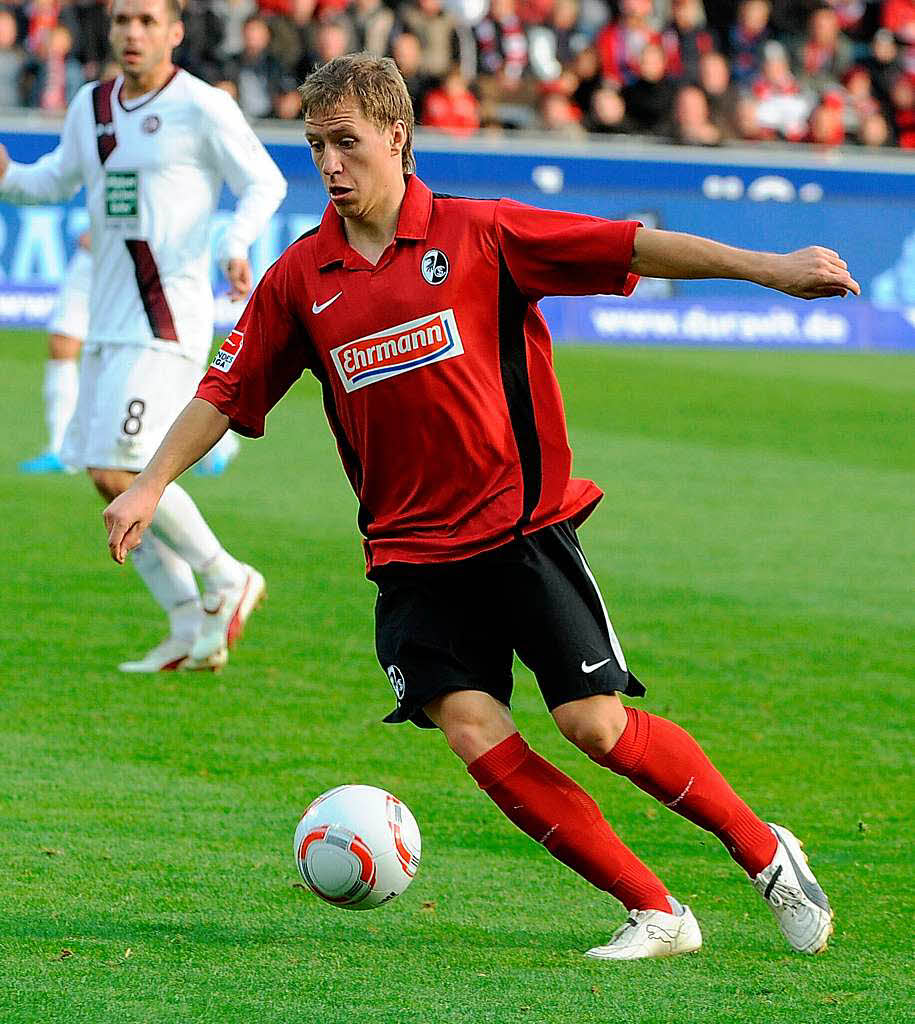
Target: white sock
[[59, 391], [179, 523], [171, 582], [185, 619]]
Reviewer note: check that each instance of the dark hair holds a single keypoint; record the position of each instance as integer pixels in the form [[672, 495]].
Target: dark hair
[[375, 83], [173, 9]]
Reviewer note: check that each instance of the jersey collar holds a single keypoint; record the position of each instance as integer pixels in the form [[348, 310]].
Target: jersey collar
[[119, 86], [412, 224]]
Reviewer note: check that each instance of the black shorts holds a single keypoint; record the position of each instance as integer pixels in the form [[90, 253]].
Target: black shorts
[[455, 626]]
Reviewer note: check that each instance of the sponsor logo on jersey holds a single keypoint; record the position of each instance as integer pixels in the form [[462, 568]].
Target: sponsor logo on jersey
[[399, 349], [434, 266], [151, 124], [228, 351], [122, 196]]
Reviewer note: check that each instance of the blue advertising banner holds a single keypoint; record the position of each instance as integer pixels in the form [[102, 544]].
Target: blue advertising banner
[[781, 322], [862, 207]]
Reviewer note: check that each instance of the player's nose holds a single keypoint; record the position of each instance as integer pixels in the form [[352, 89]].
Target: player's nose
[[331, 162]]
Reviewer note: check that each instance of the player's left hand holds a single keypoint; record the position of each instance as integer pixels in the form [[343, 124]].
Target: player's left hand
[[238, 273], [814, 273]]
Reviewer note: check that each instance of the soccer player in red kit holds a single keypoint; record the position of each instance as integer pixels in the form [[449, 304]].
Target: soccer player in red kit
[[417, 313]]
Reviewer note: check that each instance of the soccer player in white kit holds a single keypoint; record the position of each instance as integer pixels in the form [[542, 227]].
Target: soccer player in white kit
[[68, 326], [153, 148]]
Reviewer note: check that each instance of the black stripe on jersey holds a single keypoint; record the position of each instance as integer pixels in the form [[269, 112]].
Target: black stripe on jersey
[[351, 464], [307, 234], [465, 199], [104, 119], [516, 384], [158, 311]]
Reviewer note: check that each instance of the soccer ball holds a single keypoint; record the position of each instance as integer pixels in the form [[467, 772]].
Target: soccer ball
[[357, 847]]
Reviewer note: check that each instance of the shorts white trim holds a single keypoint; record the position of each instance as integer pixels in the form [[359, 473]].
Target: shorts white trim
[[615, 645]]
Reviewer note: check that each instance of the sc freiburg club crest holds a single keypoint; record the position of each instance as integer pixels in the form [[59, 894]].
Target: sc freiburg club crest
[[434, 266], [397, 682]]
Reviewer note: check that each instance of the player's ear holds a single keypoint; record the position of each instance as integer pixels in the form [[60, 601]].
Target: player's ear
[[398, 138], [176, 33]]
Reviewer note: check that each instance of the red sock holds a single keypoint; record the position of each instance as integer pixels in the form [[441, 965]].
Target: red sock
[[556, 812], [665, 761]]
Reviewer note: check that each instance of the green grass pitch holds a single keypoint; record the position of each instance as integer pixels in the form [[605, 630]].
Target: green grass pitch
[[755, 549]]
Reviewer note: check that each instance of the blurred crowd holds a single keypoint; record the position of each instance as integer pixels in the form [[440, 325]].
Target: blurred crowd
[[827, 72]]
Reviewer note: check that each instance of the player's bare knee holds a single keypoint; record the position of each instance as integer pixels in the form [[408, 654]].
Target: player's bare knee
[[593, 724], [466, 739], [62, 346], [472, 722], [469, 735]]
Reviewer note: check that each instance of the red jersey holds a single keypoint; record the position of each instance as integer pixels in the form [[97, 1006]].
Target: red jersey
[[435, 365]]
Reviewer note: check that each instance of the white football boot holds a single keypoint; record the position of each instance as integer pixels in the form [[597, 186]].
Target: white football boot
[[170, 655], [651, 933], [800, 906], [225, 613]]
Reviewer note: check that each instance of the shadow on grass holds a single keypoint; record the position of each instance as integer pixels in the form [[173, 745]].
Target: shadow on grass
[[325, 935]]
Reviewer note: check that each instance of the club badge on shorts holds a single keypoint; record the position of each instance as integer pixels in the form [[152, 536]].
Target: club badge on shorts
[[395, 677]]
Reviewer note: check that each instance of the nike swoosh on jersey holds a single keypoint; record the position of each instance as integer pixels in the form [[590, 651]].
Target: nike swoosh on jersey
[[588, 669], [315, 308]]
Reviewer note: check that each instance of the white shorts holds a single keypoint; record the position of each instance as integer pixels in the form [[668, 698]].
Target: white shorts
[[128, 398], [70, 315]]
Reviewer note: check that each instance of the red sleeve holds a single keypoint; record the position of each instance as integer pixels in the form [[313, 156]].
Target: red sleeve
[[260, 359], [553, 253]]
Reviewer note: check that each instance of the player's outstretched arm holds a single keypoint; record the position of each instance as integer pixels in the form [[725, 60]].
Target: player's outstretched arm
[[57, 175], [811, 273], [195, 431]]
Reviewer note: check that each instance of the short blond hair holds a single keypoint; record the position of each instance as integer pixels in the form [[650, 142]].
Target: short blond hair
[[375, 83]]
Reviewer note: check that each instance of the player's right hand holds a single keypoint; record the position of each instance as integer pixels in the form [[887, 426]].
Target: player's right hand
[[4, 160], [126, 518]]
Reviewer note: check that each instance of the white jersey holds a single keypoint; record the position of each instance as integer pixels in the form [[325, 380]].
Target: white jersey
[[153, 169]]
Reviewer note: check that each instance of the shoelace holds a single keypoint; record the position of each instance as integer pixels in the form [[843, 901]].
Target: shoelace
[[787, 896], [630, 922]]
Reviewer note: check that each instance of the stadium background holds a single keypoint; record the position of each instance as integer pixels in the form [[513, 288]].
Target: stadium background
[[776, 200]]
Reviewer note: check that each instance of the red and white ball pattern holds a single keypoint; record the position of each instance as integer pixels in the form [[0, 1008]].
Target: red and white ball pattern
[[357, 847]]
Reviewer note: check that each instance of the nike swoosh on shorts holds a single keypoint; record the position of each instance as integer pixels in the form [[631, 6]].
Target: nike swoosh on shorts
[[588, 669]]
